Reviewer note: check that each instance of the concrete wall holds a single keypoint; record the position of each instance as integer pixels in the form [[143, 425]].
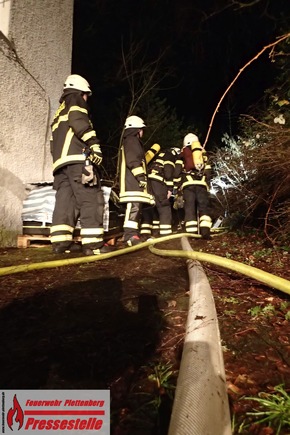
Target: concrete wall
[[5, 6], [35, 59]]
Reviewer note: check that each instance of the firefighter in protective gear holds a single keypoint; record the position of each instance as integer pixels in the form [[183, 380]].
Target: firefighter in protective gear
[[157, 220], [192, 175], [76, 154], [133, 178]]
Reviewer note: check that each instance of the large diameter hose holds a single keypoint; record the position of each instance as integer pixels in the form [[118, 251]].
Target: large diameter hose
[[257, 274], [201, 402]]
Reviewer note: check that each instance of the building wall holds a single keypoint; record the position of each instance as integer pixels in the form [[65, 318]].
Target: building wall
[[5, 6], [35, 58]]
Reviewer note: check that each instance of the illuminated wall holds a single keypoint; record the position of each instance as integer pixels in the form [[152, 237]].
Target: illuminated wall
[[35, 58], [4, 16]]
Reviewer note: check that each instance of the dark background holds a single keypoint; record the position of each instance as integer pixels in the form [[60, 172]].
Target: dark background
[[203, 43]]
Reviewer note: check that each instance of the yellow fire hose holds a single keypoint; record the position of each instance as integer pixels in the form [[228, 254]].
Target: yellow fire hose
[[202, 366], [253, 272], [250, 271], [9, 270]]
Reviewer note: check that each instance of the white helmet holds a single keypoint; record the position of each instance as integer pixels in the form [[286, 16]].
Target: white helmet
[[77, 82], [134, 122], [189, 138]]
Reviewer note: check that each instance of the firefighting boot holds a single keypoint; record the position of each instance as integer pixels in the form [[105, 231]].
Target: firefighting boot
[[66, 247], [105, 249], [205, 233], [133, 241]]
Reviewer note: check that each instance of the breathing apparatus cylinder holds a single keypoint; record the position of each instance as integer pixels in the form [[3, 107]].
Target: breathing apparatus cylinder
[[197, 155], [193, 153], [152, 152]]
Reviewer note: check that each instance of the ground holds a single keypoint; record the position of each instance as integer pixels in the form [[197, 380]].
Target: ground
[[119, 323]]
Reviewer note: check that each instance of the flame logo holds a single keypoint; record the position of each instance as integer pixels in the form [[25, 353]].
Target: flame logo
[[17, 411]]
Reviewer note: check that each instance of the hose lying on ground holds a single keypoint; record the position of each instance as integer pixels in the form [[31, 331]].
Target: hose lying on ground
[[257, 274], [201, 402], [9, 270]]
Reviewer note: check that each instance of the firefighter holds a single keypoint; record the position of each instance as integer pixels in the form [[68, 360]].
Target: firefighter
[[157, 220], [192, 175], [76, 156], [133, 178]]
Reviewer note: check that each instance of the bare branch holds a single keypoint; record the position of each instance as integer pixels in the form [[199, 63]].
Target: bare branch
[[268, 212], [142, 76], [242, 5], [282, 38], [272, 127]]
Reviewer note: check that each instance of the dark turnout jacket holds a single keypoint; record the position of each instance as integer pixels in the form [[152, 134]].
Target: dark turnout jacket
[[133, 169], [161, 168], [72, 130], [186, 175]]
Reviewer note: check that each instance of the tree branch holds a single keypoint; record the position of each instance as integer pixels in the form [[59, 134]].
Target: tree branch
[[282, 38]]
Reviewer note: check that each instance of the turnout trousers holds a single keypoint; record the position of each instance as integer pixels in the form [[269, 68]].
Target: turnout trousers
[[196, 210], [132, 220], [75, 200], [157, 220]]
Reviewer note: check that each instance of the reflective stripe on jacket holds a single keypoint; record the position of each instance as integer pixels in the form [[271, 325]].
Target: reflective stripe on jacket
[[162, 168], [72, 130], [133, 169], [193, 177]]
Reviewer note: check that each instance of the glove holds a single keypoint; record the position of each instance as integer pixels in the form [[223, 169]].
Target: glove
[[96, 155], [143, 184], [142, 181], [178, 202], [88, 175]]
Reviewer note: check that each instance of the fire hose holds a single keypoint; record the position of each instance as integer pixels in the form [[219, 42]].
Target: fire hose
[[266, 278], [9, 270], [200, 403]]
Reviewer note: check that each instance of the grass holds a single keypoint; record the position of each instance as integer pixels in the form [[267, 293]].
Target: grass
[[148, 400], [267, 310], [274, 409], [164, 377], [230, 300]]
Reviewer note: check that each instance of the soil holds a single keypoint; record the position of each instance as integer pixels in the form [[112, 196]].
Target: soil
[[119, 323]]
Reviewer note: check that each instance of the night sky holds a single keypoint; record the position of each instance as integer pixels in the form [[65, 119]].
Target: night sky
[[202, 44]]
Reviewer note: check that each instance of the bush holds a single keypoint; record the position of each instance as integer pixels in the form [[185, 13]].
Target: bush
[[252, 178]]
